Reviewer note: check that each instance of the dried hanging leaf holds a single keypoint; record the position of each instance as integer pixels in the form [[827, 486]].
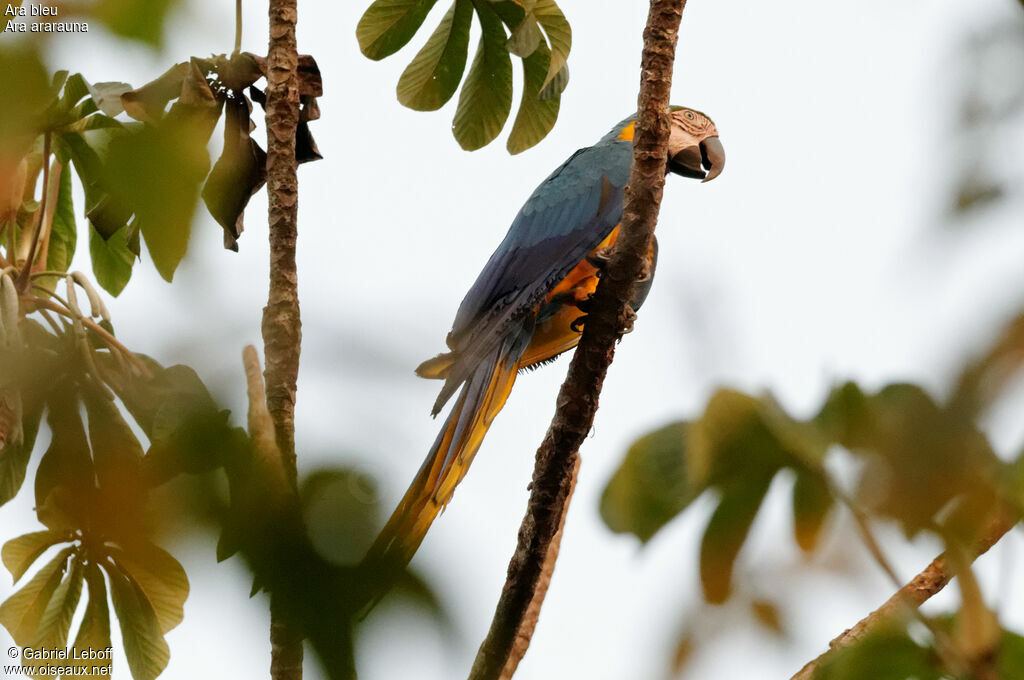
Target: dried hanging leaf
[[238, 174]]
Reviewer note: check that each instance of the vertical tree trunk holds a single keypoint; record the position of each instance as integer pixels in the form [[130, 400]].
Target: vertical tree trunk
[[281, 323], [558, 456]]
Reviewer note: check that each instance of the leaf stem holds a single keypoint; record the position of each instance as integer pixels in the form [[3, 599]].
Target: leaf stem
[[238, 27], [51, 206], [26, 268], [111, 342]]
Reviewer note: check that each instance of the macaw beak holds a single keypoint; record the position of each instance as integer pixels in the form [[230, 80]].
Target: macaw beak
[[709, 155]]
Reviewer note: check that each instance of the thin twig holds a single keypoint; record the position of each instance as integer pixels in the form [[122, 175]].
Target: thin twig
[[577, 401], [947, 651], [51, 208], [864, 529], [111, 342], [238, 27], [912, 595]]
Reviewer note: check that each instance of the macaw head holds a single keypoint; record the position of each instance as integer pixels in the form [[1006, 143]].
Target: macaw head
[[693, 145]]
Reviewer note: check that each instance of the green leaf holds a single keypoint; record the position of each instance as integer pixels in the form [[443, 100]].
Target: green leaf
[[75, 90], [739, 437], [651, 485], [536, 116], [157, 172], [160, 578], [486, 97], [919, 456], [27, 94], [21, 612], [559, 34], [726, 532], [432, 77], [144, 643], [64, 235], [142, 20], [812, 503], [387, 25], [101, 122], [67, 462], [72, 146], [117, 454], [111, 260], [19, 553], [54, 625], [525, 38], [556, 86], [94, 632], [1010, 662], [14, 455]]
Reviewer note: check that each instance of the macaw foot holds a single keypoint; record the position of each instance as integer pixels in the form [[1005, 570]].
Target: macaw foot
[[599, 260], [626, 320]]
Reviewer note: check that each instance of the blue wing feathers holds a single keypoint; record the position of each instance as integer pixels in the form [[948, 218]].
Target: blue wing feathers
[[566, 217]]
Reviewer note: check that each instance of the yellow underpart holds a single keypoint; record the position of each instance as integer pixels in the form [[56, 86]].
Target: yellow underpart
[[626, 134]]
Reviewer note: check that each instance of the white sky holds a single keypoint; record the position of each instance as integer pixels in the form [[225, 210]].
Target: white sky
[[816, 257]]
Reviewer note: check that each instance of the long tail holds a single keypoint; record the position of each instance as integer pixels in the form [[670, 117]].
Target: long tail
[[449, 458]]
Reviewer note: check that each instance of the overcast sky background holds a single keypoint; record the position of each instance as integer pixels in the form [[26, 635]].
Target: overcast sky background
[[817, 256]]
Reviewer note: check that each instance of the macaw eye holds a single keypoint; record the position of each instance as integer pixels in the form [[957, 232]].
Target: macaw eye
[[689, 115]]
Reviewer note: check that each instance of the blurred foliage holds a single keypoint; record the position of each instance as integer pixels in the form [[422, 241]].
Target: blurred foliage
[[901, 650], [141, 177], [924, 465], [122, 428], [95, 480], [536, 31], [140, 20], [921, 463], [991, 89], [90, 492]]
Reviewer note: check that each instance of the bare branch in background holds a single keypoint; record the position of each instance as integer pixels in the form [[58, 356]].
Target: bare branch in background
[[916, 592]]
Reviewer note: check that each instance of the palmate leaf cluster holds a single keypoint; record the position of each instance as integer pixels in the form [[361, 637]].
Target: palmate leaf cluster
[[536, 31], [91, 492], [121, 427]]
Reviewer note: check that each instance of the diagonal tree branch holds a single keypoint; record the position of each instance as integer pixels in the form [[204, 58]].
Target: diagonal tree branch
[[913, 594], [558, 455], [282, 326]]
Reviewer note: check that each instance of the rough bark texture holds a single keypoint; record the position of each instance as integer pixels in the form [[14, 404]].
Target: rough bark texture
[[281, 324], [282, 328], [558, 456], [916, 592], [526, 627]]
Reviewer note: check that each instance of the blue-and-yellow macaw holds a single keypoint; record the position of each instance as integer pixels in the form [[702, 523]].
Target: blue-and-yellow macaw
[[525, 306]]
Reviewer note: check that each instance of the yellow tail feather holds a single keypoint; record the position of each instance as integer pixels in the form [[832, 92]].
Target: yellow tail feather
[[481, 399]]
